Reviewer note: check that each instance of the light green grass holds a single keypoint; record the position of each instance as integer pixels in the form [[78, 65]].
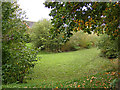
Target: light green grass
[[66, 68]]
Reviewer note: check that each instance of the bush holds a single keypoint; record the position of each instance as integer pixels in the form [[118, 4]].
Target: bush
[[107, 46], [26, 38], [40, 32], [17, 59], [41, 37], [80, 40], [17, 63]]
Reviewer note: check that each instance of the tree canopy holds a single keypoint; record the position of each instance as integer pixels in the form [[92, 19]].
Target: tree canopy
[[97, 17]]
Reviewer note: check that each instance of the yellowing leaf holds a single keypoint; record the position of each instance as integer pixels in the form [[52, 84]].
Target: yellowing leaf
[[79, 24], [90, 18]]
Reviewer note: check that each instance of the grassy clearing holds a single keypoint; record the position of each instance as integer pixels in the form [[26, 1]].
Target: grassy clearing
[[70, 65], [83, 68]]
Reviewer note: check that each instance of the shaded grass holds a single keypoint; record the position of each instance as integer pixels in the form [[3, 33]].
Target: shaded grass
[[70, 69]]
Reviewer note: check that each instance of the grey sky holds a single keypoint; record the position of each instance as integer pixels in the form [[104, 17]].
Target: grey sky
[[35, 10]]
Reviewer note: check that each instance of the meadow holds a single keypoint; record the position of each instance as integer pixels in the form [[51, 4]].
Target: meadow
[[76, 69], [61, 52]]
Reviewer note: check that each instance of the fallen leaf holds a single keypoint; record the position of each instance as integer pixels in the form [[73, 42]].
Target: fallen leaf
[[75, 82], [62, 17], [67, 88], [113, 73], [106, 73], [107, 77], [104, 87], [83, 84], [78, 85], [96, 84], [97, 81], [93, 77], [91, 81], [104, 84]]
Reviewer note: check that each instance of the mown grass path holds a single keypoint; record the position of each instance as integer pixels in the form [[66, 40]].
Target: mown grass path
[[69, 65]]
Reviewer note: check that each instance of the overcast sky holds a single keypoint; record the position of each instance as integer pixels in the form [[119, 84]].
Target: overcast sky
[[35, 10]]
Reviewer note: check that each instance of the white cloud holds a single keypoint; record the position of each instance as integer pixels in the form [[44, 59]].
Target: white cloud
[[35, 10]]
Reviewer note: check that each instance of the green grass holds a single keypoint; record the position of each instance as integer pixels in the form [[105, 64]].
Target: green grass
[[70, 65], [70, 69]]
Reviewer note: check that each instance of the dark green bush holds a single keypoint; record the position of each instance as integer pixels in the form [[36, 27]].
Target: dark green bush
[[107, 46], [17, 63], [27, 38], [17, 59]]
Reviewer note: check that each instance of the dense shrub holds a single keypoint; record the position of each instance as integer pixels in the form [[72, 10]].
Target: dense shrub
[[17, 59], [40, 36], [27, 38], [107, 46], [80, 40], [40, 32], [17, 63]]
